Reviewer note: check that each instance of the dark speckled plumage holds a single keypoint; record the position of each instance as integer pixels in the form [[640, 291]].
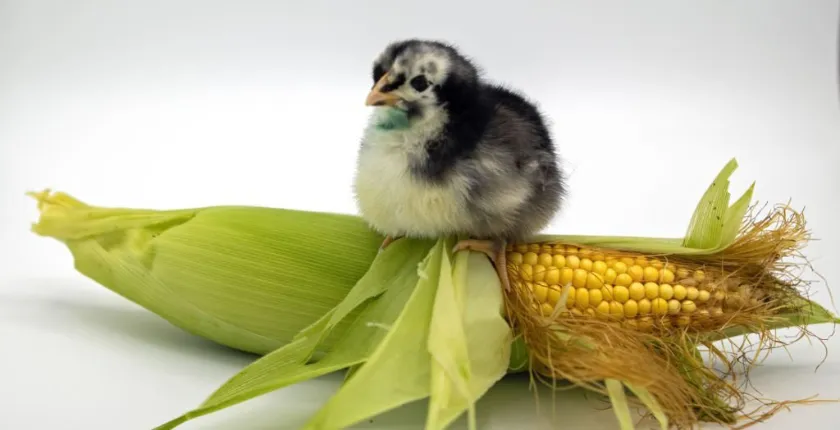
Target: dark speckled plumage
[[492, 147]]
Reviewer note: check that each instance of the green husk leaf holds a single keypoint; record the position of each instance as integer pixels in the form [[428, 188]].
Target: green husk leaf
[[650, 402], [457, 386], [621, 407], [352, 345], [246, 277], [706, 225], [713, 227], [397, 371], [447, 344], [374, 283]]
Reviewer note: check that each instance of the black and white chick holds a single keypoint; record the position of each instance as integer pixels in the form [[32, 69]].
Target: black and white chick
[[474, 160]]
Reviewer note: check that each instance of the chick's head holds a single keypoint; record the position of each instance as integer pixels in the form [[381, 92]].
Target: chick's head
[[420, 77]]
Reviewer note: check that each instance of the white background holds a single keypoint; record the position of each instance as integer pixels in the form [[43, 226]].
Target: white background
[[174, 104]]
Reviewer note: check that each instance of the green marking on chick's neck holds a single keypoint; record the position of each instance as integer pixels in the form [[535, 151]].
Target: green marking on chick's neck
[[393, 119]]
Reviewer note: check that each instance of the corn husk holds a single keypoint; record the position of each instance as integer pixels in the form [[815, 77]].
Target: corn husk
[[245, 277], [411, 323]]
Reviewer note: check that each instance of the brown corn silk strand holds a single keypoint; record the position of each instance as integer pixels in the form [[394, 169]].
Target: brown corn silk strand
[[585, 349]]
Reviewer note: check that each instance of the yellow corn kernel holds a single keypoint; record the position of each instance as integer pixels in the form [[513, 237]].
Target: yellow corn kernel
[[597, 256], [530, 258], [590, 312], [699, 275], [644, 306], [631, 308], [616, 309], [667, 276], [547, 309], [595, 297], [573, 261], [566, 276], [570, 299], [546, 259], [571, 249], [594, 281], [703, 296], [637, 291], [691, 293], [586, 264], [673, 306], [651, 290], [559, 261], [581, 298], [609, 276], [650, 274], [576, 312], [659, 306], [656, 264], [666, 291], [645, 323], [636, 273], [579, 280], [540, 293], [554, 296], [515, 258], [719, 295], [603, 308], [599, 267], [607, 292], [584, 252], [539, 273], [688, 306], [672, 267], [621, 294], [679, 292], [623, 280], [683, 321], [534, 247], [552, 276], [526, 271], [628, 261], [641, 260], [683, 273], [619, 267]]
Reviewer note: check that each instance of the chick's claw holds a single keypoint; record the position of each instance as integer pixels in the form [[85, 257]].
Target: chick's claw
[[388, 240], [495, 250]]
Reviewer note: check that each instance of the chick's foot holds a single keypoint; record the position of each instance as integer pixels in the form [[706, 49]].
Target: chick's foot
[[494, 249]]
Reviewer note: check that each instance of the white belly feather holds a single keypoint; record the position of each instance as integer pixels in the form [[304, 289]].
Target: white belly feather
[[393, 201]]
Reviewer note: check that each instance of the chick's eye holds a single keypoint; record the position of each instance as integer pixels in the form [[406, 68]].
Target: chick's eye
[[419, 83]]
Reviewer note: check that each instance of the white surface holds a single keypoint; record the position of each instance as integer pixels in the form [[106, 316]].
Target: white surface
[[178, 104]]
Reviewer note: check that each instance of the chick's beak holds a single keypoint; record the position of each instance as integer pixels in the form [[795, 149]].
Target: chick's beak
[[378, 98]]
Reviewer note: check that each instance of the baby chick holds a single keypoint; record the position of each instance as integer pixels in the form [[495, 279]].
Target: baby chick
[[469, 159]]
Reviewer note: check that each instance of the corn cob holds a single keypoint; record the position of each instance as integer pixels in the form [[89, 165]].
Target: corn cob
[[634, 289]]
